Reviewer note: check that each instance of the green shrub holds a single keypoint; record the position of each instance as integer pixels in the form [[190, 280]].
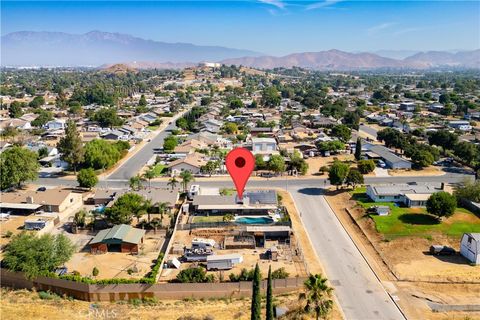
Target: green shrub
[[194, 275], [47, 295], [280, 273]]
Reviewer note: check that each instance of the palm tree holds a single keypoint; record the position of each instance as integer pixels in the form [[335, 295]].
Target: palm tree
[[135, 182], [147, 207], [318, 295], [163, 208], [187, 177], [149, 175], [172, 183]]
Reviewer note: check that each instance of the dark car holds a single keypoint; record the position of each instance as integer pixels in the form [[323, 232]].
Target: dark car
[[439, 250], [42, 189]]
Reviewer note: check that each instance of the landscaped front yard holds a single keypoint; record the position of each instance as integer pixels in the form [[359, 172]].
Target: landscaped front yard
[[404, 221]]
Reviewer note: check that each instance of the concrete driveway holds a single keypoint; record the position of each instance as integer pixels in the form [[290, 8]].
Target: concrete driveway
[[381, 172]]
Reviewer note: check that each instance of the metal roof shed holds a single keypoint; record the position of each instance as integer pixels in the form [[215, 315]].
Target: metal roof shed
[[223, 262]]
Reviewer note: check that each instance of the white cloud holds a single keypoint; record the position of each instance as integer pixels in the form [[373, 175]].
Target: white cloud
[[277, 3], [375, 29], [323, 4], [407, 30]]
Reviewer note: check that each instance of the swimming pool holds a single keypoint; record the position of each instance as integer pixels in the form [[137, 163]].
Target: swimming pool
[[254, 220]]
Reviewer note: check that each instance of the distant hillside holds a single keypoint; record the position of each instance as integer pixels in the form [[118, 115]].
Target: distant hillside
[[441, 58], [136, 65], [340, 60], [96, 48]]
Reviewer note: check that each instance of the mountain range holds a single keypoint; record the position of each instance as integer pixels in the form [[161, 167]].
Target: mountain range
[[96, 48]]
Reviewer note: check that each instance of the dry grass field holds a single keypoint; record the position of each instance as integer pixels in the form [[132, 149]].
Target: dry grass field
[[23, 304]]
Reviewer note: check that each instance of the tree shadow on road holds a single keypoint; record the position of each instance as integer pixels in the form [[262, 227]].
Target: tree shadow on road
[[312, 191]]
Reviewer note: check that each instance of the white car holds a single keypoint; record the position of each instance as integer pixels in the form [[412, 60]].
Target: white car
[[381, 164]]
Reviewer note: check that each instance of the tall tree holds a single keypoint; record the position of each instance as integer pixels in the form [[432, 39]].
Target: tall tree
[[149, 175], [342, 132], [17, 166], [87, 178], [353, 178], [318, 295], [71, 146], [186, 177], [172, 183], [15, 109], [256, 307], [35, 255], [277, 163], [441, 204], [337, 173], [358, 149], [269, 295], [443, 138], [135, 182]]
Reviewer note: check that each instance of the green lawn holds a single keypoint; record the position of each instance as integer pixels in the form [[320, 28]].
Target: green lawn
[[153, 128], [199, 219], [159, 169], [416, 221], [227, 191]]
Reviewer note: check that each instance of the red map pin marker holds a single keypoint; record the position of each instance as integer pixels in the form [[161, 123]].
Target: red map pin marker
[[240, 163]]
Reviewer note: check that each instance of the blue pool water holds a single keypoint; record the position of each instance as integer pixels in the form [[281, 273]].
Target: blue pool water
[[254, 220], [100, 209]]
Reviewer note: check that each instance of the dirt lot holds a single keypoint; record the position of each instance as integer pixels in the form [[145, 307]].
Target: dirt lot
[[117, 264], [423, 278], [406, 256], [429, 171], [26, 305], [314, 164], [250, 256]]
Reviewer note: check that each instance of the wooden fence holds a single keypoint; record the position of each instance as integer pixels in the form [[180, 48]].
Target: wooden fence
[[115, 292]]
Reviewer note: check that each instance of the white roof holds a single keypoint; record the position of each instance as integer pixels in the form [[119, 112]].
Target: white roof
[[217, 257], [28, 206]]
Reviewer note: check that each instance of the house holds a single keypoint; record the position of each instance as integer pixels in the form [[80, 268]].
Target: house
[[411, 195], [190, 146], [193, 162], [120, 238], [259, 202], [59, 201], [211, 125], [264, 146], [15, 123], [56, 124], [115, 135], [224, 261], [264, 131], [436, 107], [407, 106], [462, 125], [470, 247], [391, 160], [158, 195]]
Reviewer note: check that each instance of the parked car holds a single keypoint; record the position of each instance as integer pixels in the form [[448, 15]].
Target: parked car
[[381, 164], [439, 250], [42, 189]]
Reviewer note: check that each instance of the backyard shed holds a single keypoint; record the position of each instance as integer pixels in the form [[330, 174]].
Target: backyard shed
[[223, 262], [470, 247], [120, 238]]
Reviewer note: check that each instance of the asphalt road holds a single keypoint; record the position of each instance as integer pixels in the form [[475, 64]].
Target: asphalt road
[[371, 131], [133, 165], [360, 293]]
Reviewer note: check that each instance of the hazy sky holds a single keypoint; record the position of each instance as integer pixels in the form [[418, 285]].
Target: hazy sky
[[269, 26]]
